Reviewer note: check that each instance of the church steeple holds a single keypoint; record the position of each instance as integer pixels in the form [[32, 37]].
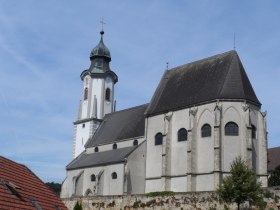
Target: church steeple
[[97, 98], [100, 57]]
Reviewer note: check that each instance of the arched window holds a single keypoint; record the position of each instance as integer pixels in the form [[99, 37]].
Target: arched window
[[182, 134], [86, 93], [231, 129], [96, 149], [114, 175], [206, 130], [93, 178], [115, 146], [254, 132], [158, 139], [108, 94], [135, 142]]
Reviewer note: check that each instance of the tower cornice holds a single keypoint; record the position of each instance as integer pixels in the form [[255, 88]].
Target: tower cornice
[[110, 73]]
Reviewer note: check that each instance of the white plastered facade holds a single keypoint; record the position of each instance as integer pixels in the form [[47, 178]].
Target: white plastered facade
[[200, 163], [92, 109]]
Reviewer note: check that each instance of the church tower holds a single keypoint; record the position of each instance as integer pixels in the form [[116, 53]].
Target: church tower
[[97, 96]]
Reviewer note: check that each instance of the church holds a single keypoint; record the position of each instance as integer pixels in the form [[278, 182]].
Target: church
[[201, 117]]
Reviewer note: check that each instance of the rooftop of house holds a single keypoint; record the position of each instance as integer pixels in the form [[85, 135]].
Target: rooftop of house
[[273, 157], [21, 189]]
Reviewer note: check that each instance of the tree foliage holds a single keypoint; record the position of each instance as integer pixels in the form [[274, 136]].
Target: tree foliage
[[78, 206], [55, 187], [274, 179], [241, 185]]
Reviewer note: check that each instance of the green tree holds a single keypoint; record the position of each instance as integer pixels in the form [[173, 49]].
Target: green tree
[[241, 185], [56, 187], [274, 179], [78, 206]]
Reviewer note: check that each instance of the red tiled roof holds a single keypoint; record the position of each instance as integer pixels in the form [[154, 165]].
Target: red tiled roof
[[273, 157], [18, 185]]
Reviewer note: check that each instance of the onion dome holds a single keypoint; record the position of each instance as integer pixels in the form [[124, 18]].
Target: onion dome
[[100, 50]]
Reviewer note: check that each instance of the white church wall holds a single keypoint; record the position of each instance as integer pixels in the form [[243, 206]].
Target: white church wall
[[81, 136], [233, 146], [261, 142], [85, 103], [120, 144], [109, 186], [135, 171], [205, 182], [180, 119], [97, 90], [205, 145], [108, 105], [154, 125], [67, 188], [154, 185], [179, 184]]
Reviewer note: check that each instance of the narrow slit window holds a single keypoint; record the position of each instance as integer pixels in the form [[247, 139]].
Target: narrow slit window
[[115, 146], [108, 94], [254, 132], [85, 94]]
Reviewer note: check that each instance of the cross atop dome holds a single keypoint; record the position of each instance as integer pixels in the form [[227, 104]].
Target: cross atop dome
[[102, 24]]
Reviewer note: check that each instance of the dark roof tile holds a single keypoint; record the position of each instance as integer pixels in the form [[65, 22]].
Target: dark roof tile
[[125, 124], [218, 77], [101, 158]]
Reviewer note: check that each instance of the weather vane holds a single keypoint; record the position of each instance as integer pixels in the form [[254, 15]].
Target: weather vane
[[102, 23], [167, 65]]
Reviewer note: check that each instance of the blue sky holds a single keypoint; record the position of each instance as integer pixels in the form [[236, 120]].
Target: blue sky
[[45, 45]]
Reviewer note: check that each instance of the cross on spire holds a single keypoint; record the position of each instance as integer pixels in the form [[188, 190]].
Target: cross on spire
[[102, 23]]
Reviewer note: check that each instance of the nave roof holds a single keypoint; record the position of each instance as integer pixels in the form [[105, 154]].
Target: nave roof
[[121, 125], [114, 156], [220, 77]]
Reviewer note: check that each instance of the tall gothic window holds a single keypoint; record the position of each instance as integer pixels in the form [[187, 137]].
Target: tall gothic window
[[86, 93], [254, 132], [182, 134], [231, 129], [206, 130], [108, 94], [114, 175], [158, 139]]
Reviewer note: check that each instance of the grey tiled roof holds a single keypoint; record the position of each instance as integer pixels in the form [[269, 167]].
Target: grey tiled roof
[[125, 124], [218, 77], [273, 158], [100, 158]]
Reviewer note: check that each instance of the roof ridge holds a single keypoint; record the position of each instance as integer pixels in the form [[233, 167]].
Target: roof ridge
[[127, 109], [155, 95], [203, 59], [12, 161], [224, 82]]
